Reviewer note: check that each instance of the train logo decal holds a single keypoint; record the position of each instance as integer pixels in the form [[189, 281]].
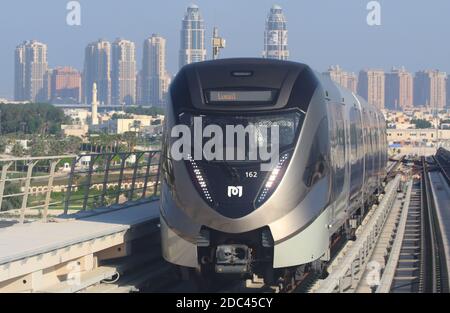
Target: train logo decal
[[234, 191]]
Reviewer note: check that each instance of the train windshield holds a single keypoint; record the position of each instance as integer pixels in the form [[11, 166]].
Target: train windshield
[[254, 130]]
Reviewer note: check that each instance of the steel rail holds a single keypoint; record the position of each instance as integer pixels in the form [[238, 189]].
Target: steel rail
[[394, 256]]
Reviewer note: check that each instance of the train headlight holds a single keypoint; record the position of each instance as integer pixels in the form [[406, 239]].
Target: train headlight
[[199, 179], [273, 179]]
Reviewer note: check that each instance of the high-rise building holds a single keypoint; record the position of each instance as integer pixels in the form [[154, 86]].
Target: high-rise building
[[65, 85], [448, 92], [371, 87], [123, 73], [399, 89], [276, 35], [345, 79], [192, 37], [155, 79], [430, 89], [31, 66], [19, 73], [97, 69]]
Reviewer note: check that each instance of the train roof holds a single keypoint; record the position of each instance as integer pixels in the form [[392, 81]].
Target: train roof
[[294, 81]]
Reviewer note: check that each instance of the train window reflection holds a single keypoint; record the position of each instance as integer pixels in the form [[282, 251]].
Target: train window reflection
[[289, 125], [317, 166]]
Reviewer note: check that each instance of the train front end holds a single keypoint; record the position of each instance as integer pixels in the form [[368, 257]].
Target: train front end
[[243, 182]]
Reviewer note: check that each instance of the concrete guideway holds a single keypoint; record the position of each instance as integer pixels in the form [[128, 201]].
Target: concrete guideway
[[349, 265], [441, 196], [41, 256], [398, 232], [378, 261], [409, 267]]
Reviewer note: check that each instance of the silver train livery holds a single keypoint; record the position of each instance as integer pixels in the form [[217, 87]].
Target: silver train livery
[[333, 155]]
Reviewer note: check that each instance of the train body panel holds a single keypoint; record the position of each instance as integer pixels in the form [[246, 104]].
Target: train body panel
[[331, 161]]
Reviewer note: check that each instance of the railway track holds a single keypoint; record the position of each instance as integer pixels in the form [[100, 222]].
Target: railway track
[[420, 266], [406, 277]]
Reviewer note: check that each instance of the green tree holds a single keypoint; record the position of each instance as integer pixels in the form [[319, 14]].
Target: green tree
[[32, 118], [38, 147], [17, 150], [140, 110], [72, 144], [136, 125], [11, 203], [131, 139], [3, 143], [421, 124]]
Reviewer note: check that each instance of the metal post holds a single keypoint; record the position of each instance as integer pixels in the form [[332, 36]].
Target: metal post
[[157, 177], [105, 178], [87, 185], [119, 184], [31, 165], [3, 180], [147, 171], [69, 184], [53, 164], [133, 182], [352, 271]]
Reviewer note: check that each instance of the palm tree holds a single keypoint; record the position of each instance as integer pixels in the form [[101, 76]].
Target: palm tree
[[136, 125], [131, 140]]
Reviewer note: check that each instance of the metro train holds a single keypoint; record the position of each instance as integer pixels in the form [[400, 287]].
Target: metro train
[[230, 217]]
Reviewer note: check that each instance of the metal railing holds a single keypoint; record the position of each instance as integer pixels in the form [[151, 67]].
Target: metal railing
[[442, 159], [38, 186]]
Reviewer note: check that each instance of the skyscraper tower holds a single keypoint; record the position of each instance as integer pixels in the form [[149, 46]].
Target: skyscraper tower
[[30, 72], [275, 35], [123, 74], [19, 73], [448, 92], [192, 37], [155, 79], [430, 89], [371, 87], [399, 89], [97, 69], [346, 79], [65, 83]]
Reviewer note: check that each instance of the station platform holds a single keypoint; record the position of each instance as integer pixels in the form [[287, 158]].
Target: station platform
[[30, 251]]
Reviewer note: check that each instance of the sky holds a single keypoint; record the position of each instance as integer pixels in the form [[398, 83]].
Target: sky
[[413, 33]]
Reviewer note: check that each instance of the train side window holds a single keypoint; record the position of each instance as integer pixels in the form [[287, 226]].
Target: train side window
[[359, 136], [353, 135], [368, 142], [318, 166]]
